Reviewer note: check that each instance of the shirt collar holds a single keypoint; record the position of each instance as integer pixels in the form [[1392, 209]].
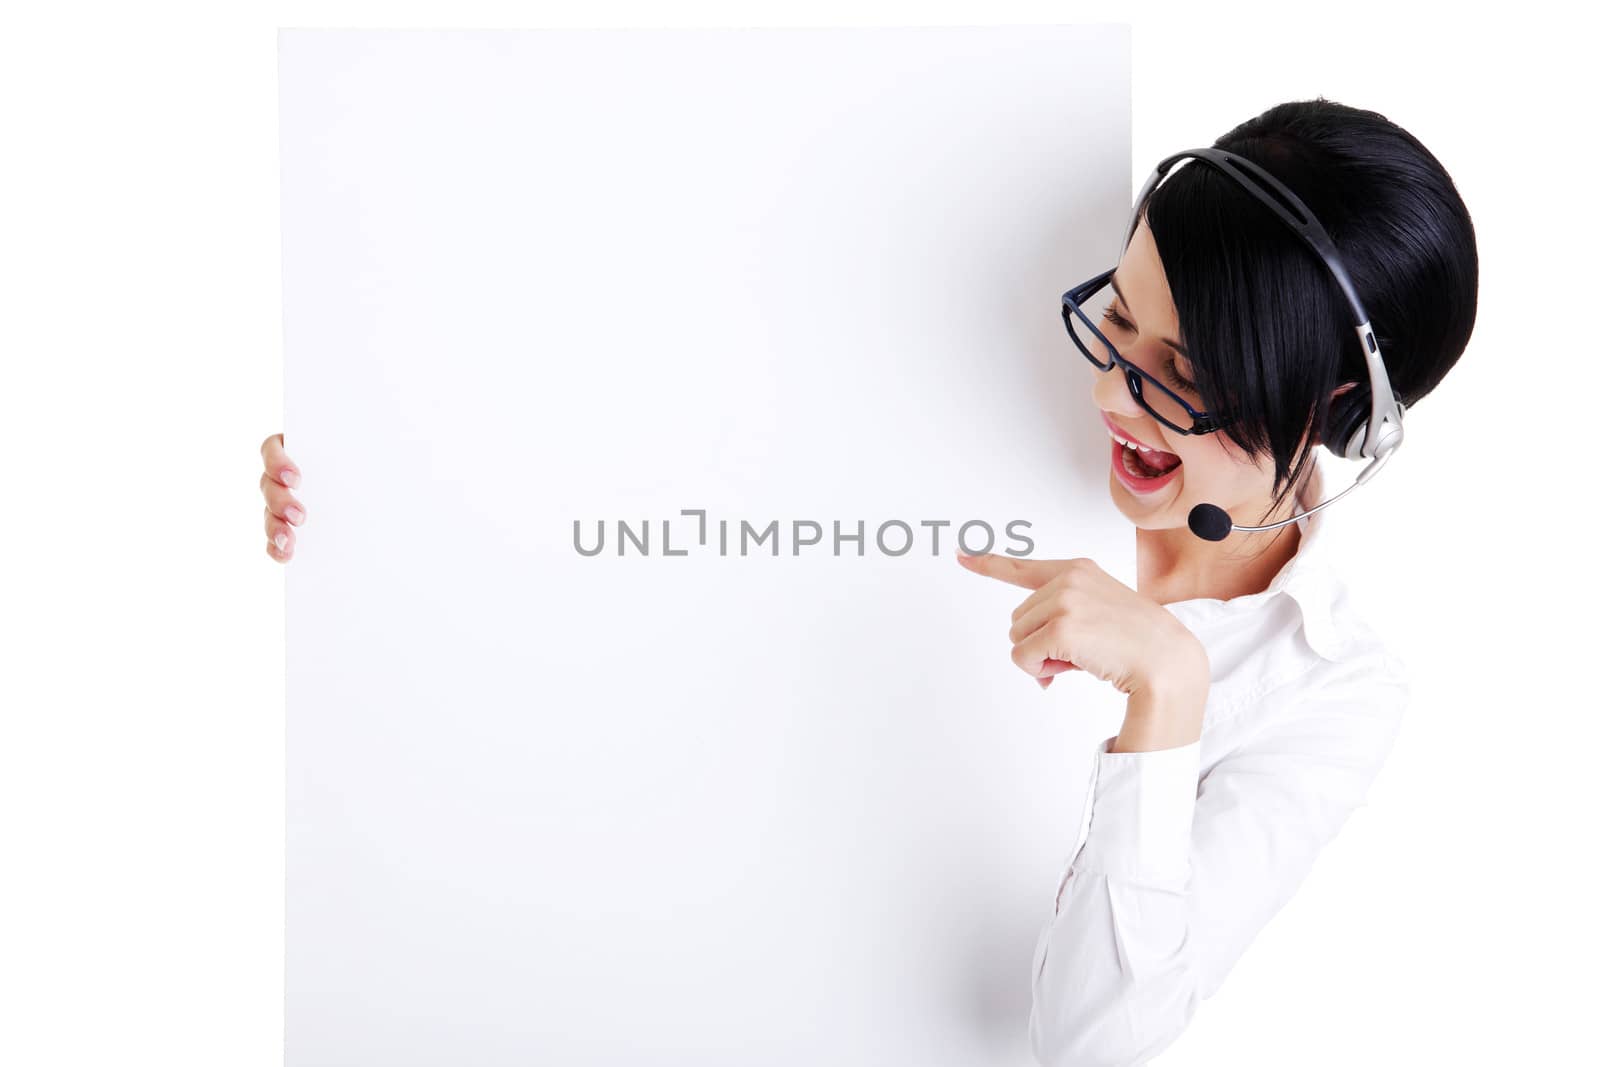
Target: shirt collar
[[1306, 577]]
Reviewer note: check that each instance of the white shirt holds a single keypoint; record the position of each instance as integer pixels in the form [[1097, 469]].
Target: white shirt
[[1183, 854]]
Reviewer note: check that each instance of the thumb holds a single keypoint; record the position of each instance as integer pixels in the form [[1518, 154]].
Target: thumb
[[1028, 573], [1053, 667]]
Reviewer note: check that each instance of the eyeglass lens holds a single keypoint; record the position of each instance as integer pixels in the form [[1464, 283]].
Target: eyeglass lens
[[1151, 358]]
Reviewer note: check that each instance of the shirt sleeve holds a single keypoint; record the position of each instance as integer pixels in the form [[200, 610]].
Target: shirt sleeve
[[1174, 873]]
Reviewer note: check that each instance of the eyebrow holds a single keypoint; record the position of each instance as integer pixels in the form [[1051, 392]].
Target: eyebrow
[[1175, 346]]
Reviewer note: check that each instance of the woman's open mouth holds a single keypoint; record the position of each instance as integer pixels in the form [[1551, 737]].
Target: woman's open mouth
[[1141, 470]]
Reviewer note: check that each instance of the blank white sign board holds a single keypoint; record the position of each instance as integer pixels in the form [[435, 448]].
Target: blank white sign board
[[791, 292]]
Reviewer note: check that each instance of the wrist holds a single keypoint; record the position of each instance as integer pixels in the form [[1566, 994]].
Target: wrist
[[1182, 669], [1167, 708]]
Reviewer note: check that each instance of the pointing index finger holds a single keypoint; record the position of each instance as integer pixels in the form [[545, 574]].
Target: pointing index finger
[[1028, 573]]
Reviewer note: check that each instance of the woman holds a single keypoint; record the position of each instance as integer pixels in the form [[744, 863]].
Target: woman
[[1260, 707]]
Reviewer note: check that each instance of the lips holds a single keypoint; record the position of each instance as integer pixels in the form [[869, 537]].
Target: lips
[[1142, 468], [1131, 472], [1119, 432]]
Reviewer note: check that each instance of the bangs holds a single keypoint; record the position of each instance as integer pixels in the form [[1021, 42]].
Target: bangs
[[1267, 330]]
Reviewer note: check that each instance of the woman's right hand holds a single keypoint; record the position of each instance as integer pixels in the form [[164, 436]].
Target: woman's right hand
[[283, 512]]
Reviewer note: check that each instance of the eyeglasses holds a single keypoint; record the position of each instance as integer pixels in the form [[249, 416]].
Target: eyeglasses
[[1084, 310]]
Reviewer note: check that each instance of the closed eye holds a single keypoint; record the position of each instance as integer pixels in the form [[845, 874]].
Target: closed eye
[[1178, 379], [1116, 320], [1171, 366]]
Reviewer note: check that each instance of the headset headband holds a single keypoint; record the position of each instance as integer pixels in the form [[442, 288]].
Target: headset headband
[[1383, 427]]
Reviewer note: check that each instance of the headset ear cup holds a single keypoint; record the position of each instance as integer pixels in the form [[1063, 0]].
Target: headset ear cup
[[1347, 422]]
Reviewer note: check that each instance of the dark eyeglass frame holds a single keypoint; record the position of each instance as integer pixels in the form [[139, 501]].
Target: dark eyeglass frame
[[1071, 301]]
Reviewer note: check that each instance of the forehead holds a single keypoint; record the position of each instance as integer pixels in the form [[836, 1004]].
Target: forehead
[[1142, 281]]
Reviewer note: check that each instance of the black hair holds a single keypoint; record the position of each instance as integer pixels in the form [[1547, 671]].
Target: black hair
[[1265, 326]]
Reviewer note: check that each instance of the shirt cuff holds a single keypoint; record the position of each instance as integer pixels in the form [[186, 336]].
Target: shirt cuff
[[1141, 814]]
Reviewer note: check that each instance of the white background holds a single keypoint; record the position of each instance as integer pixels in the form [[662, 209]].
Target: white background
[[141, 907]]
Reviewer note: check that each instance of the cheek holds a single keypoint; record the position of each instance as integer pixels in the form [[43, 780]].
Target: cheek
[[1207, 462]]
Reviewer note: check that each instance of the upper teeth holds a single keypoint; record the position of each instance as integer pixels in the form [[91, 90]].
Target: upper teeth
[[1131, 444]]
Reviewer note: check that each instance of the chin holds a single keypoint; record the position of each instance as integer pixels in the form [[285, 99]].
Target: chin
[[1147, 510]]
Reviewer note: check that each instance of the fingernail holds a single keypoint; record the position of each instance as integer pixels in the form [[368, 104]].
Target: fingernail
[[294, 515], [291, 478], [280, 540]]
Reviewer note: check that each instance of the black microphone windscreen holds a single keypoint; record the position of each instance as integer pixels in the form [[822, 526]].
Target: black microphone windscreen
[[1210, 522]]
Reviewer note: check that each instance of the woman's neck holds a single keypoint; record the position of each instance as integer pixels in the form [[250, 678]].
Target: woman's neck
[[1176, 565]]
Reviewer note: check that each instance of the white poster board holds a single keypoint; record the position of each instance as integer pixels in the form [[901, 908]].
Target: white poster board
[[685, 805]]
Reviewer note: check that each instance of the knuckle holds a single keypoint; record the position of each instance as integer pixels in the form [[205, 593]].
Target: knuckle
[[1080, 568]]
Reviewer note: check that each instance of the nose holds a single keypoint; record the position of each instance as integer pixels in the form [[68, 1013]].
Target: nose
[[1111, 394]]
